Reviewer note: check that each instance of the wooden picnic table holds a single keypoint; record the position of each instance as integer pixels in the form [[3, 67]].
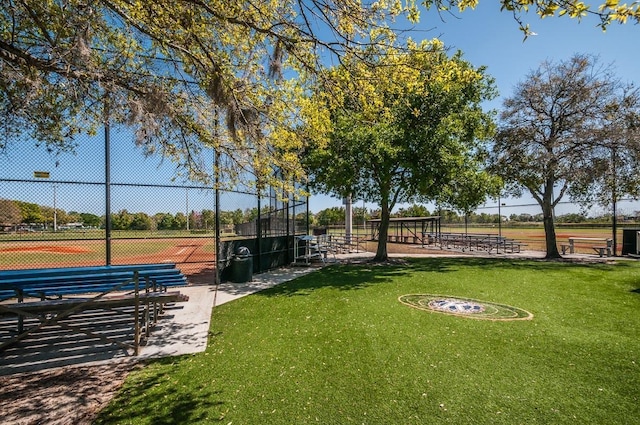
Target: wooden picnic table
[[604, 245]]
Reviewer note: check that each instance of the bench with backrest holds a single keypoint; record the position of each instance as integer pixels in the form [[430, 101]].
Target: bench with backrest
[[40, 293]]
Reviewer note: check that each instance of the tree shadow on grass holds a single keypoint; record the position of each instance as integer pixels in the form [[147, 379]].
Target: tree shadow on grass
[[449, 264], [356, 276], [158, 399], [344, 277]]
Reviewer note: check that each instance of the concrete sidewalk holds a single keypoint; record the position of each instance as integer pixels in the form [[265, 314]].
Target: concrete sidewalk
[[185, 327]]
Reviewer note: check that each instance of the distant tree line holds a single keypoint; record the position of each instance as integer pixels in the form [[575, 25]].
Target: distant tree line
[[18, 214], [335, 216]]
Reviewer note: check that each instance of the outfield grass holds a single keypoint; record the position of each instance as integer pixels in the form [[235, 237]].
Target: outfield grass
[[337, 347]]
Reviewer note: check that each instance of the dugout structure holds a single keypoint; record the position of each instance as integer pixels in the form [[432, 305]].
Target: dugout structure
[[413, 230]]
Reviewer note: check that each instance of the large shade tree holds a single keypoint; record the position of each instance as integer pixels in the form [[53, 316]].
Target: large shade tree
[[173, 69], [615, 171], [401, 130], [557, 134]]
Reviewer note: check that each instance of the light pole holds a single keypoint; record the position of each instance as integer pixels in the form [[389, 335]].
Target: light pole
[[348, 224], [614, 199], [364, 219], [187, 207], [55, 209]]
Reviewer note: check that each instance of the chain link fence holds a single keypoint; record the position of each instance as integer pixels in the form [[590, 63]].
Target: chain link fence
[[108, 203], [512, 218], [54, 210]]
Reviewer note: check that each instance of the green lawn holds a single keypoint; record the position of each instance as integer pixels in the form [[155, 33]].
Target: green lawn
[[337, 347]]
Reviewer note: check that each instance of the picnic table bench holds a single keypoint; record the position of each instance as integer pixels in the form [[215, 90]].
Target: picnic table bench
[[603, 247], [472, 241], [54, 294], [513, 245]]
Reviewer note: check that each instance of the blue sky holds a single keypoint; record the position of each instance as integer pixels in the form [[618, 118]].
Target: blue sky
[[491, 38]]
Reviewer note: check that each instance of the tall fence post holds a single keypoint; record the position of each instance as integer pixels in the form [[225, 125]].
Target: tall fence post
[[308, 219], [287, 218], [107, 180], [218, 245], [259, 233]]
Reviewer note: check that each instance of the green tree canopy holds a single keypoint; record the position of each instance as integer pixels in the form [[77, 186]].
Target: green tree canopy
[[413, 210], [557, 131], [140, 221], [31, 213], [90, 220], [121, 220], [330, 216], [401, 130], [10, 213]]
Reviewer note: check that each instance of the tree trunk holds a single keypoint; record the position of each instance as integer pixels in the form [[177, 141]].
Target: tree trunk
[[381, 253], [549, 227]]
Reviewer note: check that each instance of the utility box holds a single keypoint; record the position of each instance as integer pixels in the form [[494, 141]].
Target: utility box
[[242, 266], [631, 242]]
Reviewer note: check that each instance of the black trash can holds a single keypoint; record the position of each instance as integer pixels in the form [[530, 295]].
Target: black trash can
[[242, 266], [631, 242]]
